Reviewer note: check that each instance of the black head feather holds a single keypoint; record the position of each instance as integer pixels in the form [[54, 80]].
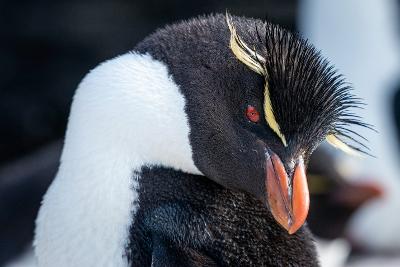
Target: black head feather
[[310, 98]]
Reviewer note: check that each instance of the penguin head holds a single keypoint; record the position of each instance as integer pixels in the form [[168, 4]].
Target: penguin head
[[259, 100]]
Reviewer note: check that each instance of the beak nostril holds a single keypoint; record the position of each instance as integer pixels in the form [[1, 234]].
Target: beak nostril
[[290, 166]]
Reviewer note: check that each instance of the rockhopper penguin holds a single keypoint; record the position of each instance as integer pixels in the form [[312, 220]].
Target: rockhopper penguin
[[191, 151]]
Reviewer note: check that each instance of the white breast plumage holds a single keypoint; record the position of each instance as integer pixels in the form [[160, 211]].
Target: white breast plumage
[[126, 113]]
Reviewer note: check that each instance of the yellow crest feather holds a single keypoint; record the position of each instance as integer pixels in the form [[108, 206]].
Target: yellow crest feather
[[242, 51], [269, 115], [339, 144], [252, 60]]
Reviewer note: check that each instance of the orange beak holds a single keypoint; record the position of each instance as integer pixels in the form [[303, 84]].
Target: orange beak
[[288, 199]]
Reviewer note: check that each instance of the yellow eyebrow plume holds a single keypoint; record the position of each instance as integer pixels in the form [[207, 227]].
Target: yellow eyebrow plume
[[253, 60], [242, 52], [339, 144], [269, 115]]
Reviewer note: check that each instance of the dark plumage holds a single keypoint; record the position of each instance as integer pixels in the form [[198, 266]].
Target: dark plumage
[[310, 98], [188, 220]]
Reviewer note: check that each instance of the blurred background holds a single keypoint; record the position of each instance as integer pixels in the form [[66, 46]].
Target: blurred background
[[48, 46]]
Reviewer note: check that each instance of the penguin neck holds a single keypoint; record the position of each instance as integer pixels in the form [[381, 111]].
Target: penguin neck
[[126, 114]]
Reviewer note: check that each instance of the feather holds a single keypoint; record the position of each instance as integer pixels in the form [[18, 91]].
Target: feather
[[242, 51], [269, 115], [339, 144]]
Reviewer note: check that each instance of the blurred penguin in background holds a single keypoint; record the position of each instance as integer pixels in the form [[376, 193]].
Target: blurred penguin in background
[[361, 38]]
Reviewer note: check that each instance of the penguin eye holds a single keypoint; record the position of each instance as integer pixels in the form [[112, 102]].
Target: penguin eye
[[252, 114]]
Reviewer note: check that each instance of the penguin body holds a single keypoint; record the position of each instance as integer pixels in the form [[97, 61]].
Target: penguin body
[[191, 151]]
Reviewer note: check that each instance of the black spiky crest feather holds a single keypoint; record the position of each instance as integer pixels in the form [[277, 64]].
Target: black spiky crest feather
[[292, 67]]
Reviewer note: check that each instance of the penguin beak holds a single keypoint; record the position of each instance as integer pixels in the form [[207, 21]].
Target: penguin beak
[[288, 198]]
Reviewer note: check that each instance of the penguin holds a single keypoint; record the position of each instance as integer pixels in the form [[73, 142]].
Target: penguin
[[335, 197], [191, 150]]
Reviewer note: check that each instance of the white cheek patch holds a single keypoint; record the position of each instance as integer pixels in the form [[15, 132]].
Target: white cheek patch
[[126, 113]]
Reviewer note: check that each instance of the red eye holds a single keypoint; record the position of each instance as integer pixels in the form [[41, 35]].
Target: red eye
[[252, 114]]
